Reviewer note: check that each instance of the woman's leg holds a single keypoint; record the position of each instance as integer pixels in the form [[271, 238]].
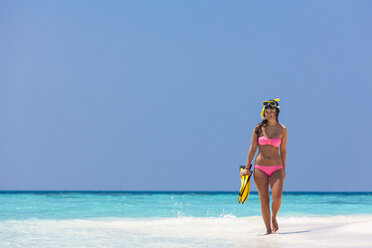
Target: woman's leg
[[262, 183], [276, 183]]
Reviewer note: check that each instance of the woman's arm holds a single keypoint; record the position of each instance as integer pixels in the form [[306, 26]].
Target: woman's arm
[[252, 149], [283, 148]]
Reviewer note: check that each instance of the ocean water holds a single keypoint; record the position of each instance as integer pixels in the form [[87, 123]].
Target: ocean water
[[160, 219], [85, 205]]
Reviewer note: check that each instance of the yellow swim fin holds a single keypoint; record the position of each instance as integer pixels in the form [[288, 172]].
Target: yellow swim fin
[[245, 186], [242, 180]]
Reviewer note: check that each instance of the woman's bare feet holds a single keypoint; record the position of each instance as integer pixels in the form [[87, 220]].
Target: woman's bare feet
[[274, 224], [268, 231]]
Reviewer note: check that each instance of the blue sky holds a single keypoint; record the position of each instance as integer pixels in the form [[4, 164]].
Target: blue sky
[[164, 95]]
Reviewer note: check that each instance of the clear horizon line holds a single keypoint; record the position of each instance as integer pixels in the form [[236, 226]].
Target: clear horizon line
[[162, 191]]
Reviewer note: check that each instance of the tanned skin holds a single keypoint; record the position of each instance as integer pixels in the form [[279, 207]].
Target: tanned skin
[[268, 156]]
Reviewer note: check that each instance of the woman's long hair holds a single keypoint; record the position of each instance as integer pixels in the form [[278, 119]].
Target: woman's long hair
[[263, 123]]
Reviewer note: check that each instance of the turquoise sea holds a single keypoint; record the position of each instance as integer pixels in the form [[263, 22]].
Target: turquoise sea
[[162, 219], [20, 205]]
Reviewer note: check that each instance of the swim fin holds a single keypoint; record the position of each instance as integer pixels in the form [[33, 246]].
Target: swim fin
[[245, 186], [243, 181]]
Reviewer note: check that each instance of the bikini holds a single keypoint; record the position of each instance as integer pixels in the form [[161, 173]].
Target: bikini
[[262, 140]]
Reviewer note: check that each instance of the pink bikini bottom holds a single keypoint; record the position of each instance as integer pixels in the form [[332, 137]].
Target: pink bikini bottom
[[268, 169]]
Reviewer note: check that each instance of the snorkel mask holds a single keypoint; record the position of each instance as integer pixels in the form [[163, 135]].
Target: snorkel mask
[[270, 103]]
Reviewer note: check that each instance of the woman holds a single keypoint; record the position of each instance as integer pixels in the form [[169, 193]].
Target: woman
[[269, 166]]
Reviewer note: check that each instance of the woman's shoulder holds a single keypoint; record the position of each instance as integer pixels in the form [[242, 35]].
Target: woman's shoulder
[[284, 127], [257, 129], [258, 126]]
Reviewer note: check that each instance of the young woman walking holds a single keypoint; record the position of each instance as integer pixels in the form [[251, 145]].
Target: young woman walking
[[269, 167]]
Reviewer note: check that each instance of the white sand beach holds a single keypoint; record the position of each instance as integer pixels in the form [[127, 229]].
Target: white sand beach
[[227, 231]]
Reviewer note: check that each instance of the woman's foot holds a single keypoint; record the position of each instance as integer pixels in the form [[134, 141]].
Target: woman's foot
[[274, 224], [268, 232]]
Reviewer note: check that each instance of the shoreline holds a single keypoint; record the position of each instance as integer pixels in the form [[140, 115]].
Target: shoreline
[[226, 231]]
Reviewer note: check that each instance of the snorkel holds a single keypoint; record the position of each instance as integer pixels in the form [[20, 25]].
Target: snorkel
[[269, 104], [272, 104]]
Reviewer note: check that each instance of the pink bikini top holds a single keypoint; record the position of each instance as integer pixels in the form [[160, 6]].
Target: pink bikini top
[[262, 140]]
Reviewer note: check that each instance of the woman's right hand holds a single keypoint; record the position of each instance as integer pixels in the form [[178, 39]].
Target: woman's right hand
[[245, 172]]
